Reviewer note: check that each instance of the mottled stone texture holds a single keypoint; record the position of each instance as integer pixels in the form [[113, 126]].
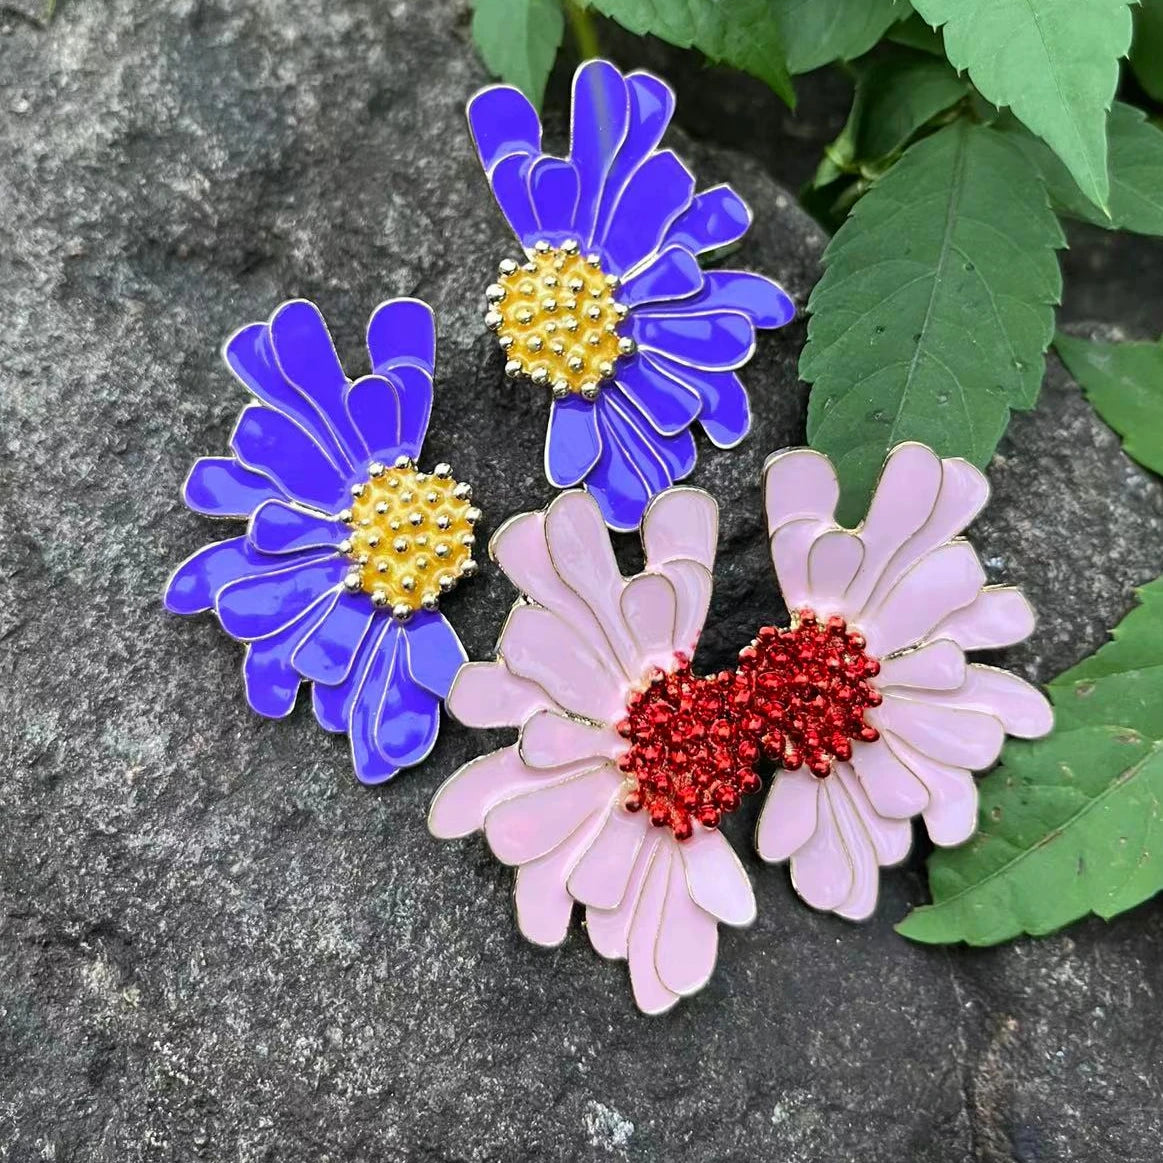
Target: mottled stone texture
[[214, 945]]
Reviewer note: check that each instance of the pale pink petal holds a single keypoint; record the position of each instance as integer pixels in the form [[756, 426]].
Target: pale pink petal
[[963, 494], [860, 901], [892, 788], [579, 546], [938, 665], [905, 497], [539, 646], [789, 816], [790, 546], [688, 939], [715, 877], [799, 483], [549, 739], [602, 875], [650, 607], [524, 827], [891, 839], [650, 992], [519, 548], [999, 616], [609, 929], [1022, 708], [821, 871], [486, 694], [946, 580], [951, 817], [543, 903], [952, 735], [833, 562], [692, 588], [460, 805], [681, 523]]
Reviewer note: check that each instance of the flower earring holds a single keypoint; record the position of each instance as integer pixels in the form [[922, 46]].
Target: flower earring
[[866, 703], [609, 306], [625, 760], [349, 545]]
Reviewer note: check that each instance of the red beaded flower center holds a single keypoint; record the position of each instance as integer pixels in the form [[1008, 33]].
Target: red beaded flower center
[[693, 748], [809, 686]]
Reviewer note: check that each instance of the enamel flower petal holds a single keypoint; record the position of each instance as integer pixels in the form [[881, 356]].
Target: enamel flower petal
[[348, 545], [625, 761], [609, 306], [867, 703]]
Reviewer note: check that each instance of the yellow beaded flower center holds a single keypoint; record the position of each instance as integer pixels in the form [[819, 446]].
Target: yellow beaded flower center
[[557, 319], [411, 536]]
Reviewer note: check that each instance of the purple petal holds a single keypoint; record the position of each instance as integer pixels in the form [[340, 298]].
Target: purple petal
[[668, 405], [553, 188], [657, 193], [194, 584], [254, 607], [272, 684], [393, 721], [763, 301], [572, 442], [370, 765], [414, 387], [600, 114], [306, 355], [328, 654], [374, 407], [511, 189], [409, 716], [719, 341], [617, 484], [717, 217], [248, 353], [651, 107], [661, 459], [276, 446], [435, 653], [402, 331], [673, 274], [726, 412], [333, 704], [276, 527], [502, 121], [221, 487]]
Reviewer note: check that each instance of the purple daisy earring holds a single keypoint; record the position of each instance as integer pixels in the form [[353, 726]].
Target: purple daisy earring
[[610, 307], [349, 546]]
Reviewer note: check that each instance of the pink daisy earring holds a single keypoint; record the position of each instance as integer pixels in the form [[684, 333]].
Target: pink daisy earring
[[866, 702], [625, 760]]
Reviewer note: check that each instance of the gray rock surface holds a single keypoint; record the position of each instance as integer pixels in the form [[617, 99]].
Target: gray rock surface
[[214, 945]]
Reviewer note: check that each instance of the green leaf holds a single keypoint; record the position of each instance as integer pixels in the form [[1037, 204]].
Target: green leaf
[[1147, 50], [913, 32], [1069, 825], [518, 41], [896, 95], [1136, 174], [1054, 62], [935, 309], [1124, 383], [817, 32], [742, 33]]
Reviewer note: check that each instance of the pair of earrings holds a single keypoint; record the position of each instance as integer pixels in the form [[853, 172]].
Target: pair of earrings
[[626, 759]]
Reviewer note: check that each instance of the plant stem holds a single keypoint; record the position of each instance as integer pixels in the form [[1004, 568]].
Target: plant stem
[[581, 25]]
